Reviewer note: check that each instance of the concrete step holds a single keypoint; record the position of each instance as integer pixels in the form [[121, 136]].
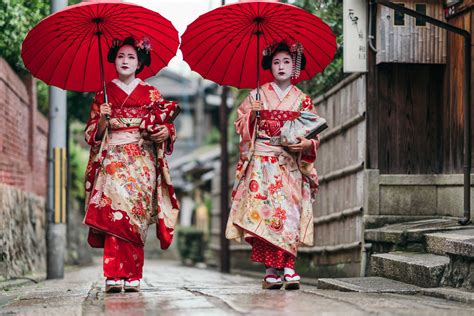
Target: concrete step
[[384, 285], [367, 285], [458, 242], [421, 269], [411, 231], [463, 248]]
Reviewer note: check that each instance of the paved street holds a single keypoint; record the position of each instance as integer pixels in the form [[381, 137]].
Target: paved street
[[171, 289]]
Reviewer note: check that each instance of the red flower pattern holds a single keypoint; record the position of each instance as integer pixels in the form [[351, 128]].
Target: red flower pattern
[[132, 150], [273, 188], [253, 186], [280, 213]]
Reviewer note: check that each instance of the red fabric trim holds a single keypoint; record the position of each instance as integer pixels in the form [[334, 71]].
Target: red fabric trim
[[261, 238], [164, 234], [98, 218], [309, 155]]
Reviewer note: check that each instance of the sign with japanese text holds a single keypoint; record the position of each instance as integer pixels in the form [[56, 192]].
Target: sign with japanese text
[[355, 35]]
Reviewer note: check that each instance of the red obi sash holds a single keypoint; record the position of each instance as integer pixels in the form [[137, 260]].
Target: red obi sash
[[277, 115]]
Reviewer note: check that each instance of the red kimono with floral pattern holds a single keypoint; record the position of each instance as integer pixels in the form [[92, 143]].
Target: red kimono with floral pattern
[[128, 183]]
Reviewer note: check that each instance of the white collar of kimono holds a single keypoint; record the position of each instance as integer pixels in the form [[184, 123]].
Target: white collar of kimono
[[281, 93], [127, 88]]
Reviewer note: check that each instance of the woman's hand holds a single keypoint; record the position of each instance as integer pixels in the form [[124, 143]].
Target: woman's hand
[[255, 106], [162, 135], [105, 110], [303, 145]]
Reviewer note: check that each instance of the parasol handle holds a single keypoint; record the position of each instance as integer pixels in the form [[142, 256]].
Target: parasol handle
[[101, 63], [257, 97]]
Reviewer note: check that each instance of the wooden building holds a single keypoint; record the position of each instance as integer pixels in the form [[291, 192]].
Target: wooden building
[[403, 39]]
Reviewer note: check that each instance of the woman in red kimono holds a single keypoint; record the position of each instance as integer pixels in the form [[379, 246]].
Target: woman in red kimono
[[275, 185], [128, 184]]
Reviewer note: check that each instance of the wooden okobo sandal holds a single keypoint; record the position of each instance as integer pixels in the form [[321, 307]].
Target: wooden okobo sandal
[[132, 285], [113, 285], [272, 285], [291, 285]]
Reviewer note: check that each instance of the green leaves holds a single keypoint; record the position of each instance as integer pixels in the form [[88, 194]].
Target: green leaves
[[16, 19], [330, 11]]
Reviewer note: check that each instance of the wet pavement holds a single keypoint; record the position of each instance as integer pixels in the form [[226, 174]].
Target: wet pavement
[[171, 289]]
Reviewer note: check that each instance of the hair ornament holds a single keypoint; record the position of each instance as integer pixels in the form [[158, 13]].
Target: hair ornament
[[143, 44], [296, 51]]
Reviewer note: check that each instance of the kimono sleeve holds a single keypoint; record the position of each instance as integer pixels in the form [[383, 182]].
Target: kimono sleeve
[[93, 122], [168, 107], [310, 154], [171, 140], [245, 126]]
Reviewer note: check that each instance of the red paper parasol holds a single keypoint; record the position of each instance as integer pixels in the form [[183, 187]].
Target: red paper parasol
[[225, 45], [67, 48]]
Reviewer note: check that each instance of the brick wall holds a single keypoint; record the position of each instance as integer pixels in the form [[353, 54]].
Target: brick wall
[[23, 134]]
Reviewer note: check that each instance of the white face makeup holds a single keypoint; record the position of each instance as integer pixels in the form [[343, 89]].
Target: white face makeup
[[282, 66], [126, 62]]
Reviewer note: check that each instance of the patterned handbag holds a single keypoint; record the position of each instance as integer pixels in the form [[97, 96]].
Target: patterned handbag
[[307, 125]]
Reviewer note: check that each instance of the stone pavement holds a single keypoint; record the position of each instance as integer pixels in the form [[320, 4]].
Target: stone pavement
[[171, 289]]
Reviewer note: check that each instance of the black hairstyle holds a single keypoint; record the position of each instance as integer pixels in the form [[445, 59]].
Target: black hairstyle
[[143, 55], [280, 47]]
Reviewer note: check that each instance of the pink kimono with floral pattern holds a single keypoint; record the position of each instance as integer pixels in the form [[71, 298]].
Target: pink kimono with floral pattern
[[274, 188], [127, 179]]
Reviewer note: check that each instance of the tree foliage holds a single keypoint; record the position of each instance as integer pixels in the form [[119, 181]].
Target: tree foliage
[[17, 17], [330, 11]]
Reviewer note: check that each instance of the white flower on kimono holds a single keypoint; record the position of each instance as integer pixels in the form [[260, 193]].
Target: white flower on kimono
[[278, 197], [116, 216]]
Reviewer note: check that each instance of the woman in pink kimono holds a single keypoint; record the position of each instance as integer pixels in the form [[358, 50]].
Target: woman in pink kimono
[[127, 179], [275, 185]]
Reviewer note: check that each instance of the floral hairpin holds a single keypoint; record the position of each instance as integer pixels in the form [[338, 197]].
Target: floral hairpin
[[143, 44], [269, 49]]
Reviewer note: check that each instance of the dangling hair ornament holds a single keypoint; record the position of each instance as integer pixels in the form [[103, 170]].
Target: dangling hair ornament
[[143, 44], [296, 53], [116, 43]]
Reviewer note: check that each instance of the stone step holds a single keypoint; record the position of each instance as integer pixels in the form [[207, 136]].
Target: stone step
[[384, 285], [411, 231], [461, 248], [459, 242], [367, 285], [421, 269]]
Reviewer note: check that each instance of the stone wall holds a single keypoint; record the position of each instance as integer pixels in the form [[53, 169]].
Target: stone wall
[[22, 232], [401, 198]]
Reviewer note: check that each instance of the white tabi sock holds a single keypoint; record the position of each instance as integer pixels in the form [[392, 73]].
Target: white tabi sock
[[291, 271], [271, 271]]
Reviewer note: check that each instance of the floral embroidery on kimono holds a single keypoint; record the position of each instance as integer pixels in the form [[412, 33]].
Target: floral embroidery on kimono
[[127, 179], [274, 189]]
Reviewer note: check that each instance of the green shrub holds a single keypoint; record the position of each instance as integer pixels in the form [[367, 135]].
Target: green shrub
[[190, 244]]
